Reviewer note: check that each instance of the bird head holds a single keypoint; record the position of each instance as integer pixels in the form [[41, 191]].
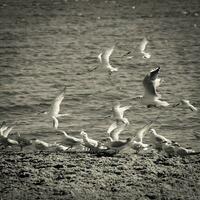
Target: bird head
[[152, 131], [83, 133]]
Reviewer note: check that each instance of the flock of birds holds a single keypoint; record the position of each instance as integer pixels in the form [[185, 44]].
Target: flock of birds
[[112, 144]]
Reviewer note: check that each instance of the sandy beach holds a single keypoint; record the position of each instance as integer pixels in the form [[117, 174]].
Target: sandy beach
[[54, 175]]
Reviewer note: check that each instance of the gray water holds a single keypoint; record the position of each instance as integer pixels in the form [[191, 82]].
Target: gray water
[[45, 45]]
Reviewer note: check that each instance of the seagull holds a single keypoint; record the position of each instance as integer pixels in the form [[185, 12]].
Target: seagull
[[114, 134], [151, 97], [143, 47], [168, 148], [55, 108], [4, 140], [118, 145], [104, 60], [187, 104], [118, 113], [70, 141], [89, 143], [22, 142], [158, 140], [181, 151], [3, 127], [41, 145], [137, 141], [59, 147]]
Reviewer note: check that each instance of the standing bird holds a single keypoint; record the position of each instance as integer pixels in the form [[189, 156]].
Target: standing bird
[[118, 114], [22, 142], [70, 141], [158, 140], [143, 47], [41, 145], [119, 145], [187, 104], [104, 59], [88, 142], [55, 108], [151, 97]]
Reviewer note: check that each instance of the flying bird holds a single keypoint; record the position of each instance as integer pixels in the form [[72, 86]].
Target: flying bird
[[118, 114], [55, 108], [137, 140], [143, 45], [104, 59], [187, 104], [151, 97], [114, 134]]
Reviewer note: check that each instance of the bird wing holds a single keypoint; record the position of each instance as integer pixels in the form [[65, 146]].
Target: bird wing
[[123, 109], [7, 132], [55, 122], [150, 82], [141, 133], [115, 133], [10, 141], [112, 127], [55, 106], [71, 138], [106, 55], [143, 45]]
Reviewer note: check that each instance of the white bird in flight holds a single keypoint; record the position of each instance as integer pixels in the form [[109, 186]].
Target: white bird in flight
[[55, 108], [188, 105], [151, 97], [118, 114], [114, 134], [137, 140], [104, 59], [143, 47]]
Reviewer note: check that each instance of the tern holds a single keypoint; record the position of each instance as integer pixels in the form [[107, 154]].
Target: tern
[[143, 47], [119, 145], [187, 104], [151, 97], [88, 142], [41, 145], [181, 151], [137, 141], [70, 141], [114, 134], [104, 59], [4, 140], [22, 142], [158, 140], [55, 108], [118, 114]]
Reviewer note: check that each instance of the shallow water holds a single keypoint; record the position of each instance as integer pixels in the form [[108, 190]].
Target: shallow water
[[45, 45]]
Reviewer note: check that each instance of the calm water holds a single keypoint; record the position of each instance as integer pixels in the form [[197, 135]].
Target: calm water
[[45, 45]]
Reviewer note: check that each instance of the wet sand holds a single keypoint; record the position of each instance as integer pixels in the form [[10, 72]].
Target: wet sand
[[55, 175]]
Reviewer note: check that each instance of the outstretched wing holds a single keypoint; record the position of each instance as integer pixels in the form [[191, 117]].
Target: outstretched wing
[[141, 133], [115, 133], [106, 55], [55, 106], [150, 82], [143, 45], [7, 132], [112, 127]]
